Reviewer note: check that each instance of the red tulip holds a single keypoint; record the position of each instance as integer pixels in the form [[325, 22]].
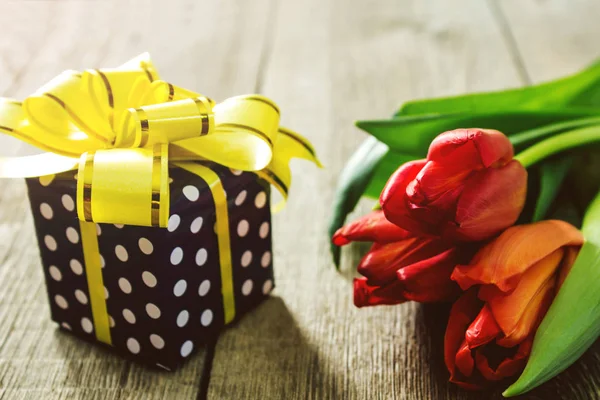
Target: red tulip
[[400, 266], [511, 283], [468, 189]]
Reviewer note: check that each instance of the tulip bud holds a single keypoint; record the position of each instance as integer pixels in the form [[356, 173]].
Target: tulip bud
[[510, 285], [468, 189], [401, 266]]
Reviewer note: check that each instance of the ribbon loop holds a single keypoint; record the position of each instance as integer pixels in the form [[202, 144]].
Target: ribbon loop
[[165, 123], [124, 186]]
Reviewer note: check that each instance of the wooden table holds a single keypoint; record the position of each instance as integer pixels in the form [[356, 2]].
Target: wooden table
[[326, 63]]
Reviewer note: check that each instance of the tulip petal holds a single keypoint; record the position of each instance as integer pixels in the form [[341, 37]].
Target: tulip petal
[[382, 262], [393, 198], [472, 147], [369, 295], [519, 313], [464, 359], [429, 280], [490, 202], [508, 367], [483, 329], [463, 311], [571, 253], [373, 227], [505, 259]]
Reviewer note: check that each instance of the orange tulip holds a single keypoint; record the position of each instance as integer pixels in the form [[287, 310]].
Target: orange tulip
[[511, 283], [468, 189], [400, 266]]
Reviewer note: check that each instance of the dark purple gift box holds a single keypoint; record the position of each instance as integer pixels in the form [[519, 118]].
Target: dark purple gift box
[[162, 286]]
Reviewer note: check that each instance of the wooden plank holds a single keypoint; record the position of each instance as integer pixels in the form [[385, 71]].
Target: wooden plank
[[332, 63], [208, 46]]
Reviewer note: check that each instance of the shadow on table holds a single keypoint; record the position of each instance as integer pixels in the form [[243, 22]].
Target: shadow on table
[[267, 356]]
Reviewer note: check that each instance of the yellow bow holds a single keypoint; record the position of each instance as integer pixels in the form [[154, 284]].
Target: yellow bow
[[121, 127]]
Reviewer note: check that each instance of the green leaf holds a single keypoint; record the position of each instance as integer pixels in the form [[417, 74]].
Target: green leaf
[[572, 323], [413, 134], [581, 89], [352, 183], [552, 174], [526, 138]]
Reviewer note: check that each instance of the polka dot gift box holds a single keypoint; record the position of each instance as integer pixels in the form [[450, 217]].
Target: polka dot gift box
[[151, 236], [162, 287]]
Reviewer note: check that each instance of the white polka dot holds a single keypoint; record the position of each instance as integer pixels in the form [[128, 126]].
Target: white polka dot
[[176, 256], [50, 243], [149, 279], [183, 318], [247, 287], [266, 259], [61, 302], [76, 267], [46, 180], [81, 297], [46, 211], [153, 311], [133, 345], [201, 257], [129, 316], [87, 325], [98, 230], [174, 221], [55, 273], [206, 317], [267, 287], [187, 348], [243, 228], [239, 200], [106, 294], [204, 287], [121, 253], [146, 246], [119, 226], [102, 262], [236, 172], [72, 235], [125, 285], [67, 202], [191, 192], [196, 225], [246, 258], [179, 288], [260, 200], [111, 322], [157, 341], [66, 326], [263, 232]]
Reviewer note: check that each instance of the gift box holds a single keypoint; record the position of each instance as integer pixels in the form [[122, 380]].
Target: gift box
[[163, 288], [151, 236]]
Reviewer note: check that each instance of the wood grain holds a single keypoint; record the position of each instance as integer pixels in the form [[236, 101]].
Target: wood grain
[[326, 64]]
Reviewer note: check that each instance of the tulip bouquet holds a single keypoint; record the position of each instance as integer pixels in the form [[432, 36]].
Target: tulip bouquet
[[503, 221]]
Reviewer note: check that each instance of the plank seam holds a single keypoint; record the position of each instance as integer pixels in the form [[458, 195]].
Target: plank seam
[[209, 356], [267, 49], [510, 40]]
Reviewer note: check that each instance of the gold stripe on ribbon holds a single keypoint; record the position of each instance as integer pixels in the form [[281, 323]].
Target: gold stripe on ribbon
[[93, 272], [222, 230]]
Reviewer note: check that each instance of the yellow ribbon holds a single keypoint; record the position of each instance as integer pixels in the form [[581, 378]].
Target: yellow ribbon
[[121, 128]]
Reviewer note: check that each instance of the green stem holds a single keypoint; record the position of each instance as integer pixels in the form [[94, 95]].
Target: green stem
[[558, 143]]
